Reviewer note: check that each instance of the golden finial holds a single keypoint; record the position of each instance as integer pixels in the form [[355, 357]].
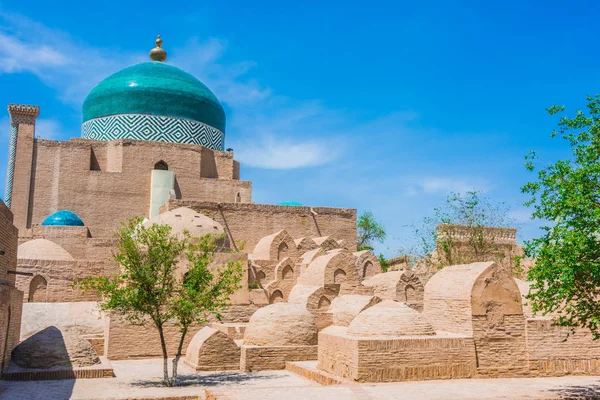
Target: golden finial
[[157, 53]]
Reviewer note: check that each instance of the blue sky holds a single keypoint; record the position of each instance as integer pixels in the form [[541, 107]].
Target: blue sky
[[383, 105]]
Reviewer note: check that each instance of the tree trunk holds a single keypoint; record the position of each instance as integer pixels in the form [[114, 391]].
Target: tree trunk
[[178, 356], [163, 345]]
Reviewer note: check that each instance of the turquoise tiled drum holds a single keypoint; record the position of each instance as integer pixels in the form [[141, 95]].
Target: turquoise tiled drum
[[154, 101]]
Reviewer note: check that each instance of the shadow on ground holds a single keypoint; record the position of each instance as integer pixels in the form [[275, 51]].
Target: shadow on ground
[[578, 392], [214, 379]]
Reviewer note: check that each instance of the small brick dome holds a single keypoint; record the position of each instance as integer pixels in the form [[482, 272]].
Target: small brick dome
[[390, 318], [281, 324], [62, 218], [42, 249], [184, 218]]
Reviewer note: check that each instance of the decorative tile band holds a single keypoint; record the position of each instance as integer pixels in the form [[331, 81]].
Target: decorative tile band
[[10, 170], [153, 127]]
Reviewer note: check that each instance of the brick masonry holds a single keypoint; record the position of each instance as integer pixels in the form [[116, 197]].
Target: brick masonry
[[11, 299]]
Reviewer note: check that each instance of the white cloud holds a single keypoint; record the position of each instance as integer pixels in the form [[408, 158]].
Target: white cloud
[[284, 153], [58, 60], [278, 132], [445, 185]]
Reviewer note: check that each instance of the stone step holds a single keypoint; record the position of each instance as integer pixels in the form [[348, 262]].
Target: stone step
[[308, 370]]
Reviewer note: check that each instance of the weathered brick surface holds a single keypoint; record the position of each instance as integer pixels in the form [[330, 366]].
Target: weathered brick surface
[[61, 175], [252, 222], [126, 341], [259, 358], [59, 277], [556, 350], [11, 299], [500, 345], [395, 359]]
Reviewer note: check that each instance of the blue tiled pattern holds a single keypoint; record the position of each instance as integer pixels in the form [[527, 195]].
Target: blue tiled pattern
[[152, 127], [10, 170]]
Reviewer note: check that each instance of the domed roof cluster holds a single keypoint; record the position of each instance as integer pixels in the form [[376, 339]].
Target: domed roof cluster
[[62, 218], [154, 101], [390, 318]]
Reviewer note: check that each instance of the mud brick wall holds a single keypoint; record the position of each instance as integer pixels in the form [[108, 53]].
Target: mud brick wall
[[123, 340], [396, 359], [500, 346], [251, 222], [60, 276], [259, 358], [107, 182], [556, 350]]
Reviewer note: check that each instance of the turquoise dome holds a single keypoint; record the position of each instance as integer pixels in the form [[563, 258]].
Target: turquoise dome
[[62, 218], [154, 88], [290, 204], [154, 101]]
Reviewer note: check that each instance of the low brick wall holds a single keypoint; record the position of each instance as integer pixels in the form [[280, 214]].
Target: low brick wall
[[555, 350], [395, 359], [123, 340], [258, 358]]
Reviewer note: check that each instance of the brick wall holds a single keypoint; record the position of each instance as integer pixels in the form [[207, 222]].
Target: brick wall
[[395, 359], [557, 350], [107, 182], [59, 277], [252, 222], [500, 346], [11, 299], [123, 340]]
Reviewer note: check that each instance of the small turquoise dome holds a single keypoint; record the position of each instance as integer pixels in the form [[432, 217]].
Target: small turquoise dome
[[290, 203], [154, 101], [62, 218]]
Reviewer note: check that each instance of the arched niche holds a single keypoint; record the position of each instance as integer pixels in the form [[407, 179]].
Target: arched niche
[[38, 289], [161, 165]]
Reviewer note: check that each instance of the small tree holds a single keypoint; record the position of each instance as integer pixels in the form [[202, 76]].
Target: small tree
[[152, 288], [369, 231], [458, 232], [566, 197]]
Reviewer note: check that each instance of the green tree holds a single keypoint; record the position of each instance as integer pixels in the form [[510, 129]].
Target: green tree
[[369, 231], [566, 198], [152, 287], [458, 233]]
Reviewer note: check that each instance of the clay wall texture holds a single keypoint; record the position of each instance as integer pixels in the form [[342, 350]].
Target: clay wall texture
[[395, 359], [252, 222], [123, 340], [11, 299], [59, 277], [553, 351], [105, 183], [259, 358], [500, 346]]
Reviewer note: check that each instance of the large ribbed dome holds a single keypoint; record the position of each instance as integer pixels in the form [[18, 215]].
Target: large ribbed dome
[[154, 101]]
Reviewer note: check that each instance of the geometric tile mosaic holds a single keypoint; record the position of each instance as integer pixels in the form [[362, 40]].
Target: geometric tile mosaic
[[10, 170], [153, 127]]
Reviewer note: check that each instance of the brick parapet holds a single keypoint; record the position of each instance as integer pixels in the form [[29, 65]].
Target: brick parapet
[[23, 114]]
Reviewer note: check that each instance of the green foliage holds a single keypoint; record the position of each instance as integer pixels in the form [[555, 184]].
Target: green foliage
[[456, 233], [383, 262], [254, 285], [369, 231], [566, 197], [152, 287]]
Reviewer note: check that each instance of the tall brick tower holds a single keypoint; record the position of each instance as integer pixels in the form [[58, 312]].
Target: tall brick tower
[[20, 161]]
